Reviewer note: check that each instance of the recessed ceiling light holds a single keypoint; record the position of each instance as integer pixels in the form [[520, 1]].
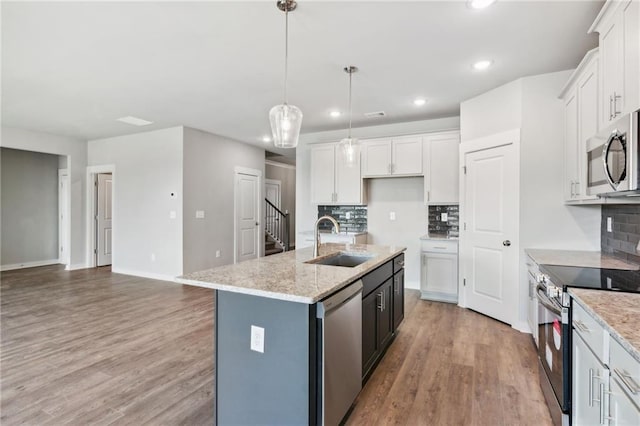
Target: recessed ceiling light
[[482, 65], [266, 139], [419, 101], [335, 114], [134, 121], [480, 4]]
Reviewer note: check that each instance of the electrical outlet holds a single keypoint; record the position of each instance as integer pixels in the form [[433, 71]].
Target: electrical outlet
[[173, 214], [609, 224], [217, 253], [199, 214], [392, 215], [348, 215], [444, 217], [257, 339], [153, 257]]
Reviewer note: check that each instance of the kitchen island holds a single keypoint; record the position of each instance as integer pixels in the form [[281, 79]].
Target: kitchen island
[[269, 339]]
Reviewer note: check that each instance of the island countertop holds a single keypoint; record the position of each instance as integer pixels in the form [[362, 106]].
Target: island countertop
[[286, 276]]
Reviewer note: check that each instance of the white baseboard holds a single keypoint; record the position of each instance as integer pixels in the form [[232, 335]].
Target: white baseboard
[[413, 285], [522, 326], [28, 264], [150, 275], [76, 266]]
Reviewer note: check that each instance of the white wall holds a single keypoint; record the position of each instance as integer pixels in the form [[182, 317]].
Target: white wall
[[209, 162], [76, 152], [405, 197], [148, 168], [29, 208], [531, 104], [306, 212]]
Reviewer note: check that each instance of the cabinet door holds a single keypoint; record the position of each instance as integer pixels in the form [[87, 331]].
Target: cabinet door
[[322, 174], [570, 145], [622, 411], [348, 180], [376, 157], [398, 298], [588, 376], [611, 69], [587, 94], [369, 331], [441, 167], [406, 157], [631, 56], [440, 276], [385, 314]]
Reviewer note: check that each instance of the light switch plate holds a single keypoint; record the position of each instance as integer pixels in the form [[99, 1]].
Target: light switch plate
[[199, 214], [257, 339], [392, 215], [443, 217], [173, 214], [609, 224]]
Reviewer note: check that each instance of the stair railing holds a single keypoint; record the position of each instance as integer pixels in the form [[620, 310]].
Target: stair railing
[[277, 225]]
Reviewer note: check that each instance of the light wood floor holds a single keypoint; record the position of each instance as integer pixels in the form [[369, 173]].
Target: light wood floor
[[92, 347]]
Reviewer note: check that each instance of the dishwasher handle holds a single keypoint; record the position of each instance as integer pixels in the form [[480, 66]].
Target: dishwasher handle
[[340, 298]]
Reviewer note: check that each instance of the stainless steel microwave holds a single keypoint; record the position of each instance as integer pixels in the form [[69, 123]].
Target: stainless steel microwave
[[612, 159]]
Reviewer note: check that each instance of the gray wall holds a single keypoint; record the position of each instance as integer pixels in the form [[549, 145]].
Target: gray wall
[[148, 168], [209, 163], [286, 174], [29, 207], [405, 197], [76, 152]]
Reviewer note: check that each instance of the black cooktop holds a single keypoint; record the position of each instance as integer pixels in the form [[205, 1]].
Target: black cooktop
[[594, 278]]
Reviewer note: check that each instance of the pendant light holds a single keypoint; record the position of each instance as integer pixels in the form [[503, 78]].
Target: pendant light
[[285, 119], [350, 146]]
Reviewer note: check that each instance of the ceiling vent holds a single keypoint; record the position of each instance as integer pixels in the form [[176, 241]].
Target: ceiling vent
[[374, 114]]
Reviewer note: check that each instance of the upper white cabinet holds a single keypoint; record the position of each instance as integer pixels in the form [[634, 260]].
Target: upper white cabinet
[[581, 106], [392, 157], [332, 180], [618, 26], [441, 163]]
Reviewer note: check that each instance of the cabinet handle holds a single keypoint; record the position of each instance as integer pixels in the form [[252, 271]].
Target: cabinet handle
[[610, 107], [601, 403], [615, 104], [396, 288], [573, 191], [577, 190], [380, 295], [427, 195], [591, 387], [628, 381], [581, 326]]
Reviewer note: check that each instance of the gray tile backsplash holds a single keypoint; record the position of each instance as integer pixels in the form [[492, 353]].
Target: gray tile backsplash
[[441, 228], [623, 241], [357, 221]]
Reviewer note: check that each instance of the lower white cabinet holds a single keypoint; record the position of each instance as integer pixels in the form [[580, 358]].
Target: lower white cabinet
[[590, 384], [439, 270], [621, 410]]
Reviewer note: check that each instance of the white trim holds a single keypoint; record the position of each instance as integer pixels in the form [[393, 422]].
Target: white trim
[[238, 170], [76, 266], [609, 8], [150, 275], [584, 63], [521, 326], [491, 141], [277, 164], [29, 264], [64, 237], [92, 171]]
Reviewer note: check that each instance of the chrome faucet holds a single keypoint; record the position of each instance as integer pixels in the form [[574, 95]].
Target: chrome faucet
[[316, 240]]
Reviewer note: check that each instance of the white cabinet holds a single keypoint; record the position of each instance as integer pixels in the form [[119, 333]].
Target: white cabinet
[[441, 166], [618, 26], [621, 410], [533, 271], [392, 157], [343, 238], [332, 180], [581, 105], [439, 270], [590, 384]]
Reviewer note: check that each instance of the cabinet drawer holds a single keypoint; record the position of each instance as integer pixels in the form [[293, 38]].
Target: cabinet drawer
[[374, 279], [592, 332], [444, 246], [398, 263], [626, 370]]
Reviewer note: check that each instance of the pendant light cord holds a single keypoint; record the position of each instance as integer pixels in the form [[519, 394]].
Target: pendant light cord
[[286, 48], [350, 114]]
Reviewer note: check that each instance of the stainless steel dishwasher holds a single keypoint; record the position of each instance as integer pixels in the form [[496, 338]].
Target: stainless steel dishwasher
[[340, 321]]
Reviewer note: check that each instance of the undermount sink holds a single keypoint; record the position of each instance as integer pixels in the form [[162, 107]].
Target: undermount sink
[[348, 260]]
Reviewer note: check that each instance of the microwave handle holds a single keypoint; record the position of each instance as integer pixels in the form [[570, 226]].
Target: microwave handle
[[605, 149]]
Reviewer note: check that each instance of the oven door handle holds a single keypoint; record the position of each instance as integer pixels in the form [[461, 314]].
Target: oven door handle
[[542, 298]]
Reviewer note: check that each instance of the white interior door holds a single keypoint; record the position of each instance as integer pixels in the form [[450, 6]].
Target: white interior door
[[247, 216], [489, 243], [63, 217], [104, 219]]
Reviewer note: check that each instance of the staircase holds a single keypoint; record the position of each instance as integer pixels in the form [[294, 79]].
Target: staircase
[[276, 229]]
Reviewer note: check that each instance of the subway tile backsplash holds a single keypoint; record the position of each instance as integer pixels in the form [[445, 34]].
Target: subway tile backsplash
[[440, 228], [357, 221], [623, 241]]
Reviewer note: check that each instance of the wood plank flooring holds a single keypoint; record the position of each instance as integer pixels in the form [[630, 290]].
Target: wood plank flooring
[[93, 347]]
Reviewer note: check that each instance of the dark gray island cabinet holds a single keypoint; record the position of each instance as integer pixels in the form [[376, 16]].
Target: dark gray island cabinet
[[269, 341]]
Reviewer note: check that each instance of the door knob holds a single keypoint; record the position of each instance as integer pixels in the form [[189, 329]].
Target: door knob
[[506, 243], [257, 223]]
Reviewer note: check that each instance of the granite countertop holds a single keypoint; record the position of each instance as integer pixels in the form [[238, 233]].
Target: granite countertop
[[583, 259], [618, 312], [285, 276]]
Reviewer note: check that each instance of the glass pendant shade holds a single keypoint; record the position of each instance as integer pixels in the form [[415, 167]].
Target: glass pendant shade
[[285, 125], [350, 148]]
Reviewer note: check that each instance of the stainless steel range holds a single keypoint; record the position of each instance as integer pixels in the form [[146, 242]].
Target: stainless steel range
[[554, 325]]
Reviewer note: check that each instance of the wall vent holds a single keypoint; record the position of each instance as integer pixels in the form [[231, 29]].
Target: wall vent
[[374, 114]]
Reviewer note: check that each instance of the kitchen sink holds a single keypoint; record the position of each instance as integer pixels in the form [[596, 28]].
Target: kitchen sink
[[348, 260]]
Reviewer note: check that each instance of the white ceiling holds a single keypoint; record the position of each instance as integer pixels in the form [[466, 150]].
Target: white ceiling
[[74, 68]]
